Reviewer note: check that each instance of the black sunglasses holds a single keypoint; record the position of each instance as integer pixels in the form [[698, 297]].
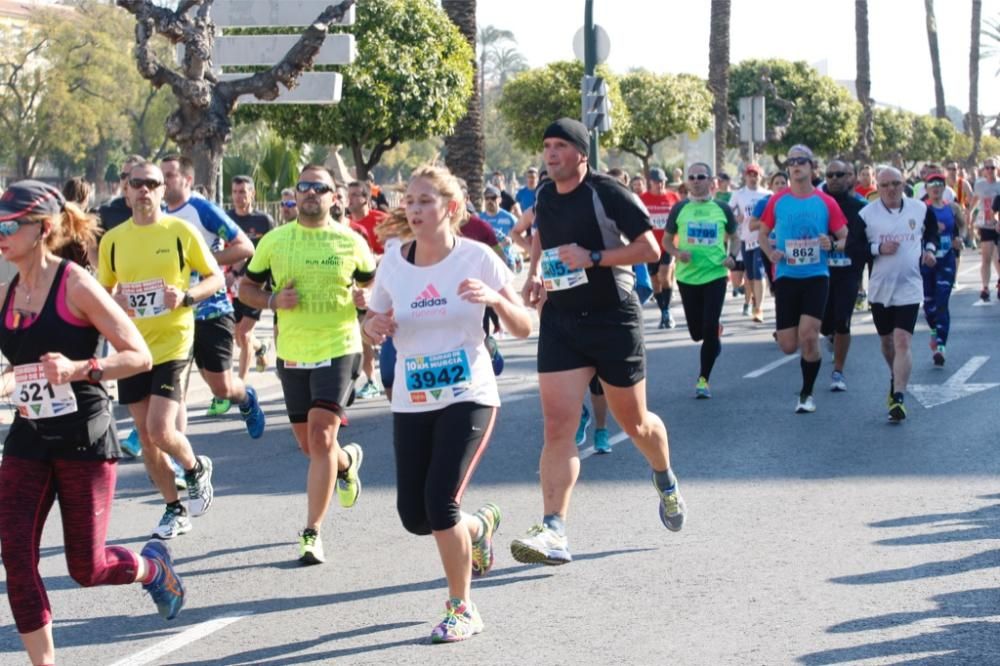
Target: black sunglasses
[[799, 160], [318, 188], [288, 204], [836, 174], [148, 183], [698, 176]]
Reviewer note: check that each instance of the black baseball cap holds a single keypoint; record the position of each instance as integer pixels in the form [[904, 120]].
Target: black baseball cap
[[30, 197]]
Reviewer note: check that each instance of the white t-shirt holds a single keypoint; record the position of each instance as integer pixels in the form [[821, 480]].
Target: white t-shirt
[[895, 278], [440, 355], [985, 191], [743, 201]]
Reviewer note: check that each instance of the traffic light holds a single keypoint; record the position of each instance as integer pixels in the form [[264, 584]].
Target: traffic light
[[596, 107]]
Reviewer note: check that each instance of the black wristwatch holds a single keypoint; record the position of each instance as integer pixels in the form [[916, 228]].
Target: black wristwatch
[[95, 373], [187, 301], [595, 257]]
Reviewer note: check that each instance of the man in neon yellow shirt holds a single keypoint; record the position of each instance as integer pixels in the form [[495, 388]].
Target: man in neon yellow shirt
[[147, 263], [314, 264]]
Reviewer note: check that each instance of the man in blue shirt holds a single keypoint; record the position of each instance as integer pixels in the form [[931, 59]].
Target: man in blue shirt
[[526, 195]]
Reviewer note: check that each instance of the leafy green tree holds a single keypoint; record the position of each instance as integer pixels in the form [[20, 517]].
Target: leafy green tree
[[534, 98], [933, 139], [802, 106], [661, 106], [410, 81], [893, 135]]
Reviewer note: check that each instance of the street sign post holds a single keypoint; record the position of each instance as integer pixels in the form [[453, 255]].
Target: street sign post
[[752, 119], [271, 14]]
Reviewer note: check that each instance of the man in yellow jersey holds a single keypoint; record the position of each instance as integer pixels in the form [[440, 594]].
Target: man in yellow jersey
[[314, 264], [146, 262]]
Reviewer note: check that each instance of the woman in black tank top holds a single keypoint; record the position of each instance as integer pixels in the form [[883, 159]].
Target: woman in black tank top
[[62, 442]]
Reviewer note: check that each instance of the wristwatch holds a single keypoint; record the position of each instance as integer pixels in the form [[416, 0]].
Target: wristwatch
[[595, 257], [187, 301], [95, 373]]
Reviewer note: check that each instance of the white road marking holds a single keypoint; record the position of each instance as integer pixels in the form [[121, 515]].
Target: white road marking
[[955, 387], [770, 366], [180, 640]]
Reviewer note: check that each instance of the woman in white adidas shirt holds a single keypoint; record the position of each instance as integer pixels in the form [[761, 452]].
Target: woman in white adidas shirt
[[429, 295]]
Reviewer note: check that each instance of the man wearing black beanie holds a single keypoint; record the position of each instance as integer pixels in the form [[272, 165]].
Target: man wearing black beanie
[[591, 231]]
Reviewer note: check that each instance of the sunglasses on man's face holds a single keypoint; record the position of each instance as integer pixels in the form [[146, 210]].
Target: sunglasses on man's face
[[698, 176], [318, 188], [288, 204], [989, 167], [797, 161], [836, 174], [148, 183]]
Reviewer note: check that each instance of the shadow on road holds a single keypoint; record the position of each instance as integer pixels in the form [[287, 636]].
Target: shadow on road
[[976, 641]]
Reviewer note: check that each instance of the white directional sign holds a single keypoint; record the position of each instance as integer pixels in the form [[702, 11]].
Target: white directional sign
[[267, 13], [269, 49], [931, 395], [313, 88]]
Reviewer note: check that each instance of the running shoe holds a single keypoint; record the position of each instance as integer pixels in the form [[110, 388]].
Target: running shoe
[[673, 509], [601, 442], [261, 355], [253, 415], [496, 358], [701, 390], [758, 316], [837, 382], [482, 548], [174, 522], [310, 547], [369, 391], [746, 309], [180, 477], [131, 444], [541, 546], [984, 295], [218, 407], [167, 590], [581, 430], [199, 487], [897, 410], [461, 621], [806, 405], [939, 356], [859, 301], [349, 485]]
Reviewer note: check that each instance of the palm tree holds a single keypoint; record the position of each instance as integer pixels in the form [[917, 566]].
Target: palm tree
[[465, 151], [973, 124], [490, 38], [718, 74], [932, 41], [505, 62], [863, 83]]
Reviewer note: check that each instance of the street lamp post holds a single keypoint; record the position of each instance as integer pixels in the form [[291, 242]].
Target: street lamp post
[[589, 64]]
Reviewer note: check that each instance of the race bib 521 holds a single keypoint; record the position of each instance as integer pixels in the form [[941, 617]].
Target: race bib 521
[[36, 398]]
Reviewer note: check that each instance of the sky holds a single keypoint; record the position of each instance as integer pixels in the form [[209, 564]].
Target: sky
[[672, 36]]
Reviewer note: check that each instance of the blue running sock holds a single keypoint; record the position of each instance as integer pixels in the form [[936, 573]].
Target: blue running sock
[[554, 522], [665, 480]]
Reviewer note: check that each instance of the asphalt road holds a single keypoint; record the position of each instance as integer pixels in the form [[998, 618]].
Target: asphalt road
[[812, 539]]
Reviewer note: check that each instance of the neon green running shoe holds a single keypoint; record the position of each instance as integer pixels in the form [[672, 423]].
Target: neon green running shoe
[[349, 485], [218, 407]]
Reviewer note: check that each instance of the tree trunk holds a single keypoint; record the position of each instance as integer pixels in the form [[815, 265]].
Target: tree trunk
[[718, 75], [863, 83], [932, 41], [465, 149], [974, 122]]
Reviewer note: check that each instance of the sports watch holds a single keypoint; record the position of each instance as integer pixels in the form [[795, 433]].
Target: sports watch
[[187, 301], [595, 257], [95, 373]]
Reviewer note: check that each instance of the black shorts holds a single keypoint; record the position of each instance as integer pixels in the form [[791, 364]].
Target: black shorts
[[329, 387], [213, 343], [987, 235], [241, 310], [840, 303], [888, 318], [164, 379], [595, 386], [610, 341], [739, 266], [795, 297]]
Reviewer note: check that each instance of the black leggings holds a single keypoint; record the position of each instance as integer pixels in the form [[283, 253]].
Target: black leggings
[[702, 309], [436, 455]]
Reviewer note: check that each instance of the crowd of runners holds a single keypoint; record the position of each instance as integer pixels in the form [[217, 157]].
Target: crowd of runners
[[167, 277]]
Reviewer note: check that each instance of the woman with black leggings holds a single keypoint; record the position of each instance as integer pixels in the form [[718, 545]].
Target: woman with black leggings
[[429, 295]]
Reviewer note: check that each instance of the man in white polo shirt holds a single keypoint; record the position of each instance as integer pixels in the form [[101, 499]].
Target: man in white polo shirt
[[902, 233]]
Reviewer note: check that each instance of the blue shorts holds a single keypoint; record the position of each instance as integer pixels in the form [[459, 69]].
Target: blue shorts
[[753, 263]]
